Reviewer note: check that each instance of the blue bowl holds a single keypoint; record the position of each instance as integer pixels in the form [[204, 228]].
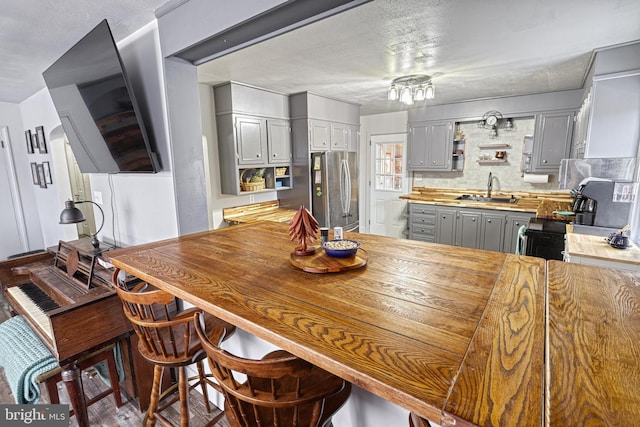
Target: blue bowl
[[341, 253]]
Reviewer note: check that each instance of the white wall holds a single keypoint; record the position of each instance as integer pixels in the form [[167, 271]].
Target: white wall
[[145, 203], [10, 116]]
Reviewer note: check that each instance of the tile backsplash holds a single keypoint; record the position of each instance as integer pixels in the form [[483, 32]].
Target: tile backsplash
[[507, 176]]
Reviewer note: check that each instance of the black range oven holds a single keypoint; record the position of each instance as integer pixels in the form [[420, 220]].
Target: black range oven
[[545, 238]]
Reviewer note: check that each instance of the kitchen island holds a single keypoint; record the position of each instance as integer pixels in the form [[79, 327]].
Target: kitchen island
[[455, 335]]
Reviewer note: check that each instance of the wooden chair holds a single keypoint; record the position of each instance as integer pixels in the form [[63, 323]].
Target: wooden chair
[[416, 421], [168, 341], [280, 389]]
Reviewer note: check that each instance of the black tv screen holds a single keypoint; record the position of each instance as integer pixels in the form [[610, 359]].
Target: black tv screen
[[97, 107]]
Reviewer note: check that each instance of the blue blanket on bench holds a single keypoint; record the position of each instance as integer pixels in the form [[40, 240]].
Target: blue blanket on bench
[[23, 357]]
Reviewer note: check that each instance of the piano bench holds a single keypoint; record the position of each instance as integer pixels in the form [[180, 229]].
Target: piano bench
[[53, 377]]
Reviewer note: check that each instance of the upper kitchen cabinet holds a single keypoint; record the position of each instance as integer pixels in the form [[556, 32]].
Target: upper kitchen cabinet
[[430, 145], [254, 132], [331, 124], [614, 125], [551, 140]]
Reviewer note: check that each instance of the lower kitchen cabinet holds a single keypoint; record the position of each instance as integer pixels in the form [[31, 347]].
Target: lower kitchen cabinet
[[488, 229], [446, 220], [468, 228], [492, 232], [514, 222], [422, 222]]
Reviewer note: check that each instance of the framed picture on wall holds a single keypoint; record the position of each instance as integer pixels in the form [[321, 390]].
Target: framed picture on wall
[[34, 141], [41, 178], [42, 144], [27, 136], [34, 173], [47, 172]]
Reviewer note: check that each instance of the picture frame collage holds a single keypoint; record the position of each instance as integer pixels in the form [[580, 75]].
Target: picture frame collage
[[37, 144]]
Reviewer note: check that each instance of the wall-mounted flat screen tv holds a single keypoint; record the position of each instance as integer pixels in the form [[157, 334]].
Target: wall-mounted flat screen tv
[[97, 107]]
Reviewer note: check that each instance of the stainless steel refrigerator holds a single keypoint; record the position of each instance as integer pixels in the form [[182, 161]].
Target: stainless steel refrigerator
[[334, 189]]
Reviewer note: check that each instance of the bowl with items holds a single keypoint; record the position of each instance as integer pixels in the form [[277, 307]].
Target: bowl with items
[[343, 248]]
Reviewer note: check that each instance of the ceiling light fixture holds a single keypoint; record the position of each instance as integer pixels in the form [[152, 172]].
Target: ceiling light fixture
[[409, 89]]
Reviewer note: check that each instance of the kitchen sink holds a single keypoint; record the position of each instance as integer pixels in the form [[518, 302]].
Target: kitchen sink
[[472, 198]]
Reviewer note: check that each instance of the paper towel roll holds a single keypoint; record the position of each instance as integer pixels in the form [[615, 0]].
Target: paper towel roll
[[536, 179]]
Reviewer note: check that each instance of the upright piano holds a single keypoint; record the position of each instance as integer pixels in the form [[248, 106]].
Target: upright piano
[[67, 299]]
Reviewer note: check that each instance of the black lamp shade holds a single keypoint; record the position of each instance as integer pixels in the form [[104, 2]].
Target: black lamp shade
[[70, 214]]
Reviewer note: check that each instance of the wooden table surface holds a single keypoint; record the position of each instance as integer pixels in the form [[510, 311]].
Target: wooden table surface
[[455, 335], [593, 346]]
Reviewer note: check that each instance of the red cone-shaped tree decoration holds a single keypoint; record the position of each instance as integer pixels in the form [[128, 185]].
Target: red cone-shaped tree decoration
[[302, 229]]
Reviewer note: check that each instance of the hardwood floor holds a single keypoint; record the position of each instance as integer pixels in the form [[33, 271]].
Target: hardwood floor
[[104, 412]]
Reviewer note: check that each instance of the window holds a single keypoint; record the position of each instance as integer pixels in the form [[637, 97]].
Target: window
[[389, 166]]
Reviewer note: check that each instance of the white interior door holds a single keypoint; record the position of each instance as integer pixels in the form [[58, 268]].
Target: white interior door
[[12, 225], [389, 181], [81, 190]]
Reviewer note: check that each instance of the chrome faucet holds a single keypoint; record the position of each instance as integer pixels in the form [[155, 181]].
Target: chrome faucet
[[489, 185]]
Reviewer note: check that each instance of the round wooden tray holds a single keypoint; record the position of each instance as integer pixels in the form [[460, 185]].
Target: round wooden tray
[[320, 262]]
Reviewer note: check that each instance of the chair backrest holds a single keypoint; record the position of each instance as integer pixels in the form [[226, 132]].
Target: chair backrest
[[164, 337], [278, 390]]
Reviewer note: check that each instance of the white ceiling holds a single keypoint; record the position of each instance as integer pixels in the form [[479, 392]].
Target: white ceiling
[[476, 49], [35, 33]]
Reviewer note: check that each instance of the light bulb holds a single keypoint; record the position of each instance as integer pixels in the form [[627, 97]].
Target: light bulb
[[406, 96], [430, 93], [392, 95], [419, 94]]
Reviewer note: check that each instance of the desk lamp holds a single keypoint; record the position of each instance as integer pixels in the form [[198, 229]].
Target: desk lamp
[[72, 215]]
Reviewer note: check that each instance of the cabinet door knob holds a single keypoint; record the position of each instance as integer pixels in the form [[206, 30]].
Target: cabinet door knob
[[473, 220], [275, 155], [544, 161], [489, 221], [434, 162], [258, 155]]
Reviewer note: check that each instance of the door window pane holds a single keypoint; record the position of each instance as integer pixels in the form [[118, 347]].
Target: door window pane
[[389, 166]]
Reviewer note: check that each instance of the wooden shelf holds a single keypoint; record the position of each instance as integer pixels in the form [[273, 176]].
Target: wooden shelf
[[494, 146], [492, 161]]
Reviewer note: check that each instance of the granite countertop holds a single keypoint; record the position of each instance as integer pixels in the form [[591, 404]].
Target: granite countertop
[[543, 204]]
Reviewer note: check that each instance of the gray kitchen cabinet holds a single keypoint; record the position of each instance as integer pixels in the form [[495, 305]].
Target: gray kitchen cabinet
[[353, 135], [333, 136], [312, 117], [251, 137], [430, 145], [492, 231], [339, 137], [514, 222], [422, 222], [279, 141], [446, 220], [489, 229], [468, 228], [551, 140], [254, 132], [319, 135]]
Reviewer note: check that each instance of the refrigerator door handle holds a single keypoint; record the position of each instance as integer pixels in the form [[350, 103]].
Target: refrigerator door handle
[[345, 188]]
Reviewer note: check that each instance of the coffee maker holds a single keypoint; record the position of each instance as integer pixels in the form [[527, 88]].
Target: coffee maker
[[594, 204]]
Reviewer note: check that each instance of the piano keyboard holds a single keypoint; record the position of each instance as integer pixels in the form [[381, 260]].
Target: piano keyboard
[[36, 303]]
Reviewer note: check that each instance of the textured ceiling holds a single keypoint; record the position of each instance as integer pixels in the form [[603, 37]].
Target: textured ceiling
[[35, 33], [475, 49]]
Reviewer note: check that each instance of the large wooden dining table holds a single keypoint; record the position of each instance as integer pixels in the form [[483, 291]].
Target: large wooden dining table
[[458, 336]]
